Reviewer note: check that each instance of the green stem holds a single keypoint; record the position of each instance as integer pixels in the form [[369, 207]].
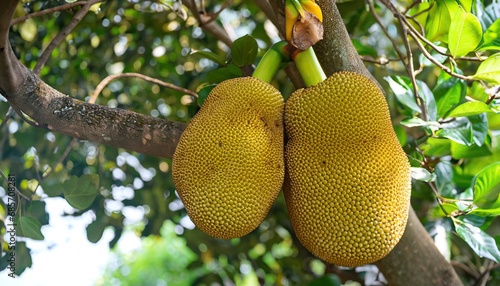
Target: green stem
[[308, 66], [271, 61]]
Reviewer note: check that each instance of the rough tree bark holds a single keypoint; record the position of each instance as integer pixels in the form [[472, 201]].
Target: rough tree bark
[[415, 260]]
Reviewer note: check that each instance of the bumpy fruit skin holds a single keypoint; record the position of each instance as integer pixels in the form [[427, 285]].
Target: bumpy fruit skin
[[228, 167], [348, 193]]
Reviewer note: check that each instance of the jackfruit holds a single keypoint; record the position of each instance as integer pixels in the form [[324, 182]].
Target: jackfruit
[[348, 193], [228, 167]]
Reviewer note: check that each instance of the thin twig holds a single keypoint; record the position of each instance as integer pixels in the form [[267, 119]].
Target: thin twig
[[62, 35], [411, 70], [213, 17], [15, 187], [47, 11], [371, 7], [108, 79], [436, 62], [380, 61]]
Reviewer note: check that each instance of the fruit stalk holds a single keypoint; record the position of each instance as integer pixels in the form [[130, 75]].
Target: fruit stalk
[[308, 66], [271, 61]]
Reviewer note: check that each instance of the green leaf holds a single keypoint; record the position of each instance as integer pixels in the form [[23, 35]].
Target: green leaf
[[211, 56], [439, 20], [444, 179], [402, 88], [416, 121], [448, 94], [461, 151], [479, 128], [489, 70], [327, 280], [80, 192], [483, 244], [491, 37], [203, 93], [23, 259], [470, 108], [225, 73], [28, 226], [459, 130], [487, 187], [437, 147], [429, 101], [421, 174], [95, 230], [364, 50], [465, 33], [244, 51]]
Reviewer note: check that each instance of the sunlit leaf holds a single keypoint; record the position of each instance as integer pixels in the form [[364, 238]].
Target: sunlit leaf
[[461, 151], [439, 20], [422, 174], [436, 147], [465, 33], [487, 187], [489, 70], [483, 244], [491, 37], [80, 192], [470, 108], [416, 121]]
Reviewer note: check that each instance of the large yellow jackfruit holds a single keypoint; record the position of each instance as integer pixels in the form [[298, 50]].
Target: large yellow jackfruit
[[349, 183], [228, 167]]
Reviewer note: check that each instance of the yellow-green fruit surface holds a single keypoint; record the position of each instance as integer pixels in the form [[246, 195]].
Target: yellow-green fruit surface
[[228, 167], [349, 186]]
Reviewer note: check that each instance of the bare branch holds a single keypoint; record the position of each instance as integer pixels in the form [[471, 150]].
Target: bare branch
[[63, 34], [63, 7], [108, 79], [211, 27]]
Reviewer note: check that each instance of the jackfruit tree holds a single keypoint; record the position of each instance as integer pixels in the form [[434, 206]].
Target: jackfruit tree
[[283, 142]]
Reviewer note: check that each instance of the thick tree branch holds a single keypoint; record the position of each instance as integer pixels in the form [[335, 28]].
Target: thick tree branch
[[110, 126], [50, 109]]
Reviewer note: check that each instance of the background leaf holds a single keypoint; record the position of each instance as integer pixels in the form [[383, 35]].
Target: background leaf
[[244, 51], [81, 192], [28, 226]]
